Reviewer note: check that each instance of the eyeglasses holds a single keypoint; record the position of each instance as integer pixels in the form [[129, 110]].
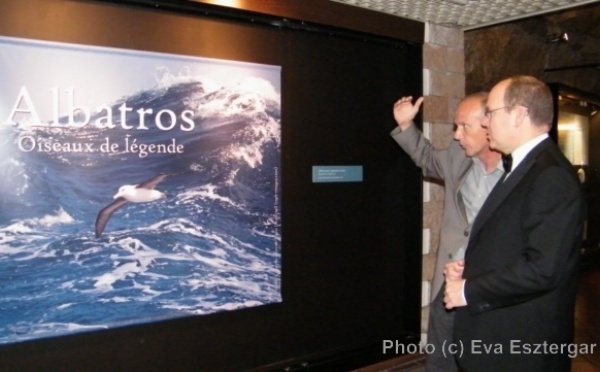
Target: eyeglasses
[[488, 113]]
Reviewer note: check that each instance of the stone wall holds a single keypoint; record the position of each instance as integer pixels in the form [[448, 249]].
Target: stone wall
[[443, 88], [529, 46]]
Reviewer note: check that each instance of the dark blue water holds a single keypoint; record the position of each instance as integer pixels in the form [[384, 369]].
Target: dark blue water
[[212, 244]]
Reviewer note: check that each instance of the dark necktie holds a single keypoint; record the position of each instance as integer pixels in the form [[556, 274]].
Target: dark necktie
[[507, 163]]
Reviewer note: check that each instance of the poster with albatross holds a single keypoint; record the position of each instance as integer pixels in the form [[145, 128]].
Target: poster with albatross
[[134, 187]]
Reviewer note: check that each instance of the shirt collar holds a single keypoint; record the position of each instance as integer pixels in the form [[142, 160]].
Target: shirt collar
[[521, 152], [478, 163]]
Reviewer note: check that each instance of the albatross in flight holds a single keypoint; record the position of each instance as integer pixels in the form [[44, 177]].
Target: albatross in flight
[[142, 193]]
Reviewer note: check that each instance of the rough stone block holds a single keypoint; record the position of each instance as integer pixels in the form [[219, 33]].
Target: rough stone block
[[443, 58], [447, 84], [443, 35], [442, 134], [429, 261], [435, 109]]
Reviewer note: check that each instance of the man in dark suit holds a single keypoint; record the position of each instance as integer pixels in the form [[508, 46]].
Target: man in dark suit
[[515, 298]]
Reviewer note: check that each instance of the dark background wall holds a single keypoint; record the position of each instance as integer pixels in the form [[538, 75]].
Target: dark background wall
[[534, 46], [526, 47]]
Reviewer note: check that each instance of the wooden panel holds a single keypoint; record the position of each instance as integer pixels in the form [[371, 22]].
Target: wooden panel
[[328, 13]]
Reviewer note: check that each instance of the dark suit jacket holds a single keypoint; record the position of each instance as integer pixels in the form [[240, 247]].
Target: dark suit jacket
[[521, 267]]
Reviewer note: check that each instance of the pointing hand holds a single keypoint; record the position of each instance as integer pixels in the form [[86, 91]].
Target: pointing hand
[[405, 111]]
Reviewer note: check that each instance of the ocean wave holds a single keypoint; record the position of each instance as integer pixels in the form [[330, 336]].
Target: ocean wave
[[212, 244]]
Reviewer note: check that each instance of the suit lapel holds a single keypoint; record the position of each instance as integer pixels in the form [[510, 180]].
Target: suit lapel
[[504, 186]]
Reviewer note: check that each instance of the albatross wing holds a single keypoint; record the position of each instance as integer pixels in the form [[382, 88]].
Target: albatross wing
[[152, 182], [105, 213]]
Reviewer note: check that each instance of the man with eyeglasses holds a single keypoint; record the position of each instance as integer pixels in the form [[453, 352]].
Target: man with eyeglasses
[[514, 303], [469, 170]]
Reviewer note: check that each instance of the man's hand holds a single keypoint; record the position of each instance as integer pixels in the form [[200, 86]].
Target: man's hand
[[405, 111], [453, 291], [453, 270]]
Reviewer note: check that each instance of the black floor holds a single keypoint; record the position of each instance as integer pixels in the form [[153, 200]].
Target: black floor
[[587, 326]]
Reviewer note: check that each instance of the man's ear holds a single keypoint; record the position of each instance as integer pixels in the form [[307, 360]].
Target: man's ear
[[522, 113]]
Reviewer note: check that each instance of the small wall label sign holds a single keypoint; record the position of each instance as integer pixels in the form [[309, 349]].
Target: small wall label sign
[[337, 173]]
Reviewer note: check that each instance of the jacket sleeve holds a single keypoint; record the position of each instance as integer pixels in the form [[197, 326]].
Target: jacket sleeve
[[435, 163]]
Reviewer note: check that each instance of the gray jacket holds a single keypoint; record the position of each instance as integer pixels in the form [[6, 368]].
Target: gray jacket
[[450, 165]]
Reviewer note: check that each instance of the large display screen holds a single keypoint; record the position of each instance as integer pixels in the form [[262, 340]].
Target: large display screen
[[136, 187], [167, 195]]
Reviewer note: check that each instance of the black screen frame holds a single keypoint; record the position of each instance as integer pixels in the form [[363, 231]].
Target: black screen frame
[[351, 261]]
